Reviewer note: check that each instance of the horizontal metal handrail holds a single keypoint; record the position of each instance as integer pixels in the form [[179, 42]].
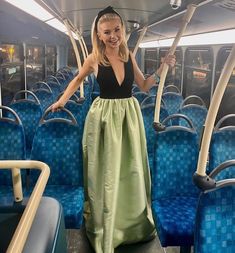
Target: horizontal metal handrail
[[21, 233]]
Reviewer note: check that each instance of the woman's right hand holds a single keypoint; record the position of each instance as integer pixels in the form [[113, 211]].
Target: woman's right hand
[[56, 106]]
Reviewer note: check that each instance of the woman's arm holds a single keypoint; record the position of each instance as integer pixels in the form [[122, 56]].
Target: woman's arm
[[146, 84], [87, 68]]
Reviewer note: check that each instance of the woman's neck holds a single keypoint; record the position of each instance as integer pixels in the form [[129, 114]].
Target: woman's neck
[[112, 52]]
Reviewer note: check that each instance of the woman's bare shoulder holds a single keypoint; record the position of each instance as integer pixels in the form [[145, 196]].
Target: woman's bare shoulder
[[91, 62]]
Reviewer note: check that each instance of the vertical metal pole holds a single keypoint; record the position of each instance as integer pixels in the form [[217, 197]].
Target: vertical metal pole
[[186, 19], [139, 40], [75, 48], [212, 112]]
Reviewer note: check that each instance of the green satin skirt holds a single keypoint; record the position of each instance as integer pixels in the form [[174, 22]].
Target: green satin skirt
[[117, 206]]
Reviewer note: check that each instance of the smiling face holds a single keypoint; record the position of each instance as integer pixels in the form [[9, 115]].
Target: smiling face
[[111, 33]]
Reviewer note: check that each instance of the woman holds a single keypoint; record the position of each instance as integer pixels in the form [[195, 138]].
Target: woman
[[117, 206]]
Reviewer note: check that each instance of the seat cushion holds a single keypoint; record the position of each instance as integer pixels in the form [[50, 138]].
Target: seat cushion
[[71, 198], [47, 233], [175, 218]]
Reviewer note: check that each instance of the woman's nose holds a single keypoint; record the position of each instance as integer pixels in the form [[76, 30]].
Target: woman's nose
[[113, 35]]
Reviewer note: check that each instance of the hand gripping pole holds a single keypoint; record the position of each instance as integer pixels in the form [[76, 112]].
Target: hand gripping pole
[[186, 19]]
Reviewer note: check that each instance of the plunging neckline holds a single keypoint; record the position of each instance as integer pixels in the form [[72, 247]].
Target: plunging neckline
[[119, 84]]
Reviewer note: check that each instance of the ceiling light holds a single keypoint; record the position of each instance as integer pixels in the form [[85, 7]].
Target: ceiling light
[[213, 38], [32, 8]]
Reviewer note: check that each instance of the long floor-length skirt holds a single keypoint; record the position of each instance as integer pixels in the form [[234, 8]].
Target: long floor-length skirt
[[116, 175]]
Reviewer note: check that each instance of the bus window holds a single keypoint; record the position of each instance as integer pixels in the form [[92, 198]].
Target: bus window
[[11, 71], [34, 64], [174, 75], [150, 60], [227, 105], [198, 73], [50, 60]]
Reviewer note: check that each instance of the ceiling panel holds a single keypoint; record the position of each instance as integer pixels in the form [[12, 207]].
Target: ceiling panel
[[82, 12]]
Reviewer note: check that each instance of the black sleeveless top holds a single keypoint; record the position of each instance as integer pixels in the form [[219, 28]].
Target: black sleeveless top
[[109, 86]]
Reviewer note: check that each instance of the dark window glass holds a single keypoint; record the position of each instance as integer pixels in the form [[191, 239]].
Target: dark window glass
[[150, 60], [35, 59], [227, 105], [50, 60], [198, 73], [72, 62], [11, 71], [174, 75]]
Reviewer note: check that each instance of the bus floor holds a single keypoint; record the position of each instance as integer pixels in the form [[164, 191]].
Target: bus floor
[[77, 242]]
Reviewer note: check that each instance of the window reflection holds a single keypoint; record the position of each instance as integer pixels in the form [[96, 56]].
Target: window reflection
[[198, 73], [50, 60], [174, 75], [227, 105], [150, 60], [34, 64], [11, 70]]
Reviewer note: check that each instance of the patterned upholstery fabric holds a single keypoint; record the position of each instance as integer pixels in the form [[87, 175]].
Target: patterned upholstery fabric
[[71, 198], [196, 113], [12, 146], [176, 154], [45, 97], [140, 96], [172, 101], [94, 95], [74, 108], [30, 113], [148, 117], [222, 148], [153, 90], [135, 89], [58, 144], [55, 87], [149, 100], [215, 221], [175, 220]]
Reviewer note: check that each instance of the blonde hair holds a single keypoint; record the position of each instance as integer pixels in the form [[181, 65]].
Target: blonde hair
[[98, 49]]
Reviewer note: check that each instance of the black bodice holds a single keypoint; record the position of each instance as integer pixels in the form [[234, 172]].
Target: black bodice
[[109, 86]]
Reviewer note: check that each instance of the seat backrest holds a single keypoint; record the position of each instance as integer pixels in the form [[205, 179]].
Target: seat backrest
[[194, 99], [196, 113], [171, 88], [140, 96], [172, 101], [176, 154], [153, 90], [57, 143], [55, 87], [148, 117], [135, 89], [45, 97], [148, 100], [29, 112], [222, 148], [12, 142], [215, 226]]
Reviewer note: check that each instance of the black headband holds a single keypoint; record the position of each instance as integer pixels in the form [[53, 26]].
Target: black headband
[[107, 10]]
